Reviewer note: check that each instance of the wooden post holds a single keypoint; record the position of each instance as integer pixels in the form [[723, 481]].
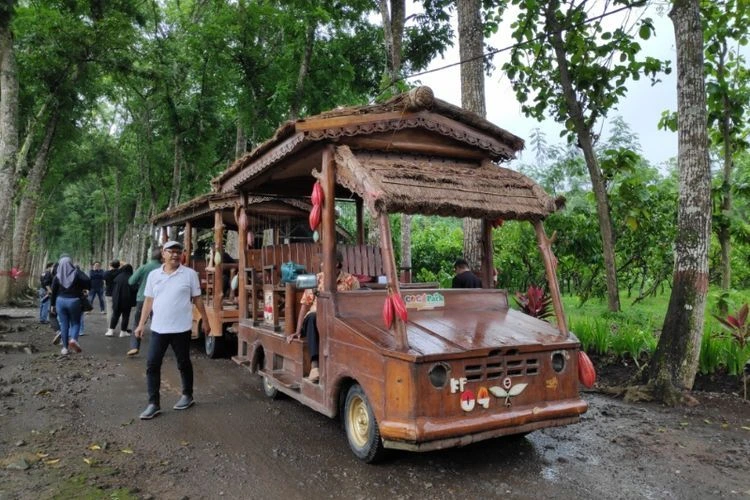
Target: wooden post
[[242, 261], [218, 249], [389, 264], [328, 229], [360, 222], [487, 260], [550, 265], [188, 238]]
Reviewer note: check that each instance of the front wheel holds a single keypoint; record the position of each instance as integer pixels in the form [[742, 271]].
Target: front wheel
[[361, 427]]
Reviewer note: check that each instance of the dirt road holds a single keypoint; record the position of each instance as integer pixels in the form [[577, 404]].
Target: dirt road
[[69, 429]]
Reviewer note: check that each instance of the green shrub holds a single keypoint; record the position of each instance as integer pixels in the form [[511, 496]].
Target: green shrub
[[593, 334], [633, 340], [712, 355]]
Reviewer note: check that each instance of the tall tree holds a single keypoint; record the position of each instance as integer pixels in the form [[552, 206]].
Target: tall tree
[[726, 25], [675, 362], [471, 50], [8, 140], [577, 70]]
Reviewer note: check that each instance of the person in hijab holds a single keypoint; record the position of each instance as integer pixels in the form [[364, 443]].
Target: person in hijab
[[123, 299], [67, 287]]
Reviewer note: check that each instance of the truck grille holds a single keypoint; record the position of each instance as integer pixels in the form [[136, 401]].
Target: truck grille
[[501, 364]]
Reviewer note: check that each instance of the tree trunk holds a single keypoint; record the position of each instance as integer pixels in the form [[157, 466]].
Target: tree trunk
[[471, 49], [8, 141], [304, 69], [723, 232], [675, 361], [586, 142], [394, 19], [240, 143], [174, 195], [23, 231]]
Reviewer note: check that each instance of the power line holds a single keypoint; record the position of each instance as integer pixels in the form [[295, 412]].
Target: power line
[[504, 49]]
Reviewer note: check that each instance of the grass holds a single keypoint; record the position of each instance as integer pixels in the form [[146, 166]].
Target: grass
[[633, 332]]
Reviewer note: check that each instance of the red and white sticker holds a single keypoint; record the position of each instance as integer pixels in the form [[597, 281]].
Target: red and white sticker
[[468, 400], [483, 397]]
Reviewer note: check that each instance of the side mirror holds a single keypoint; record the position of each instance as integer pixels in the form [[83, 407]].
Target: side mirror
[[306, 281]]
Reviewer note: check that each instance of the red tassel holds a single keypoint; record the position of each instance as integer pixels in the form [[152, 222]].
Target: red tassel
[[315, 214], [586, 371], [399, 307]]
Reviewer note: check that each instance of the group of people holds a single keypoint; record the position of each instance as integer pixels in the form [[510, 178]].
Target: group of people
[[166, 292]]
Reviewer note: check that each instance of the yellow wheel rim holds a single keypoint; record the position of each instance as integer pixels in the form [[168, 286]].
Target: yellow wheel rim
[[359, 422]]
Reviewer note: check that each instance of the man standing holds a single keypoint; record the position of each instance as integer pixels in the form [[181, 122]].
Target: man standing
[[171, 290], [139, 279], [464, 278], [97, 285], [109, 279]]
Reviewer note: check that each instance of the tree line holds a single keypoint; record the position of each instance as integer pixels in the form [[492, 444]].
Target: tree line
[[113, 111]]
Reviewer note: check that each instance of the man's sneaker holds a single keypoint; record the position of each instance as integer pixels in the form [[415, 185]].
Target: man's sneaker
[[81, 334], [104, 312], [150, 412], [184, 403], [56, 340], [110, 333], [132, 352], [64, 351], [73, 345], [124, 333]]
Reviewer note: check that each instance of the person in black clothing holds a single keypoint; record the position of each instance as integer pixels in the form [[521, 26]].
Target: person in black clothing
[[464, 278], [67, 287], [97, 285], [123, 299], [109, 276], [45, 290]]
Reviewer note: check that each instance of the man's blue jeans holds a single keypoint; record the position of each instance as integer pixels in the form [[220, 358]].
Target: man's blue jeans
[[44, 305], [99, 292]]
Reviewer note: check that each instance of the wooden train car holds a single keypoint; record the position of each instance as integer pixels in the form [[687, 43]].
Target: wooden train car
[[460, 365]]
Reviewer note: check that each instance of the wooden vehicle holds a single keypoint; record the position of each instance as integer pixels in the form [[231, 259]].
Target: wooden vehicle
[[461, 366], [203, 222]]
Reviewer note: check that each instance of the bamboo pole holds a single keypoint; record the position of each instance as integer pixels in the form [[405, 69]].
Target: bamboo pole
[[550, 266], [386, 245]]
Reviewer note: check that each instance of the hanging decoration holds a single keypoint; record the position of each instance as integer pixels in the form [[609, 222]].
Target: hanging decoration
[[496, 223], [586, 371], [393, 307], [315, 214], [317, 201]]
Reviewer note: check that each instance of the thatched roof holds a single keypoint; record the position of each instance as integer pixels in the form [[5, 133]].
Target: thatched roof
[[415, 110], [200, 210], [403, 184]]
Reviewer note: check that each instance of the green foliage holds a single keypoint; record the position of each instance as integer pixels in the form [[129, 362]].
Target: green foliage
[[712, 354], [633, 340], [593, 333]]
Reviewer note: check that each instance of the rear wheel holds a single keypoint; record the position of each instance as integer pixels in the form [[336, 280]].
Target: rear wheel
[[361, 427]]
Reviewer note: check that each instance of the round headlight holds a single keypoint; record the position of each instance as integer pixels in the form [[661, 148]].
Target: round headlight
[[438, 375], [558, 362]]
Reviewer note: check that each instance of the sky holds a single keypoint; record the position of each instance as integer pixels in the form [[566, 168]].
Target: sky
[[641, 108]]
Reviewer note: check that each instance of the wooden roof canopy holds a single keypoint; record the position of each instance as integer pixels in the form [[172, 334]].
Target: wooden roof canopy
[[411, 154], [200, 210]]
